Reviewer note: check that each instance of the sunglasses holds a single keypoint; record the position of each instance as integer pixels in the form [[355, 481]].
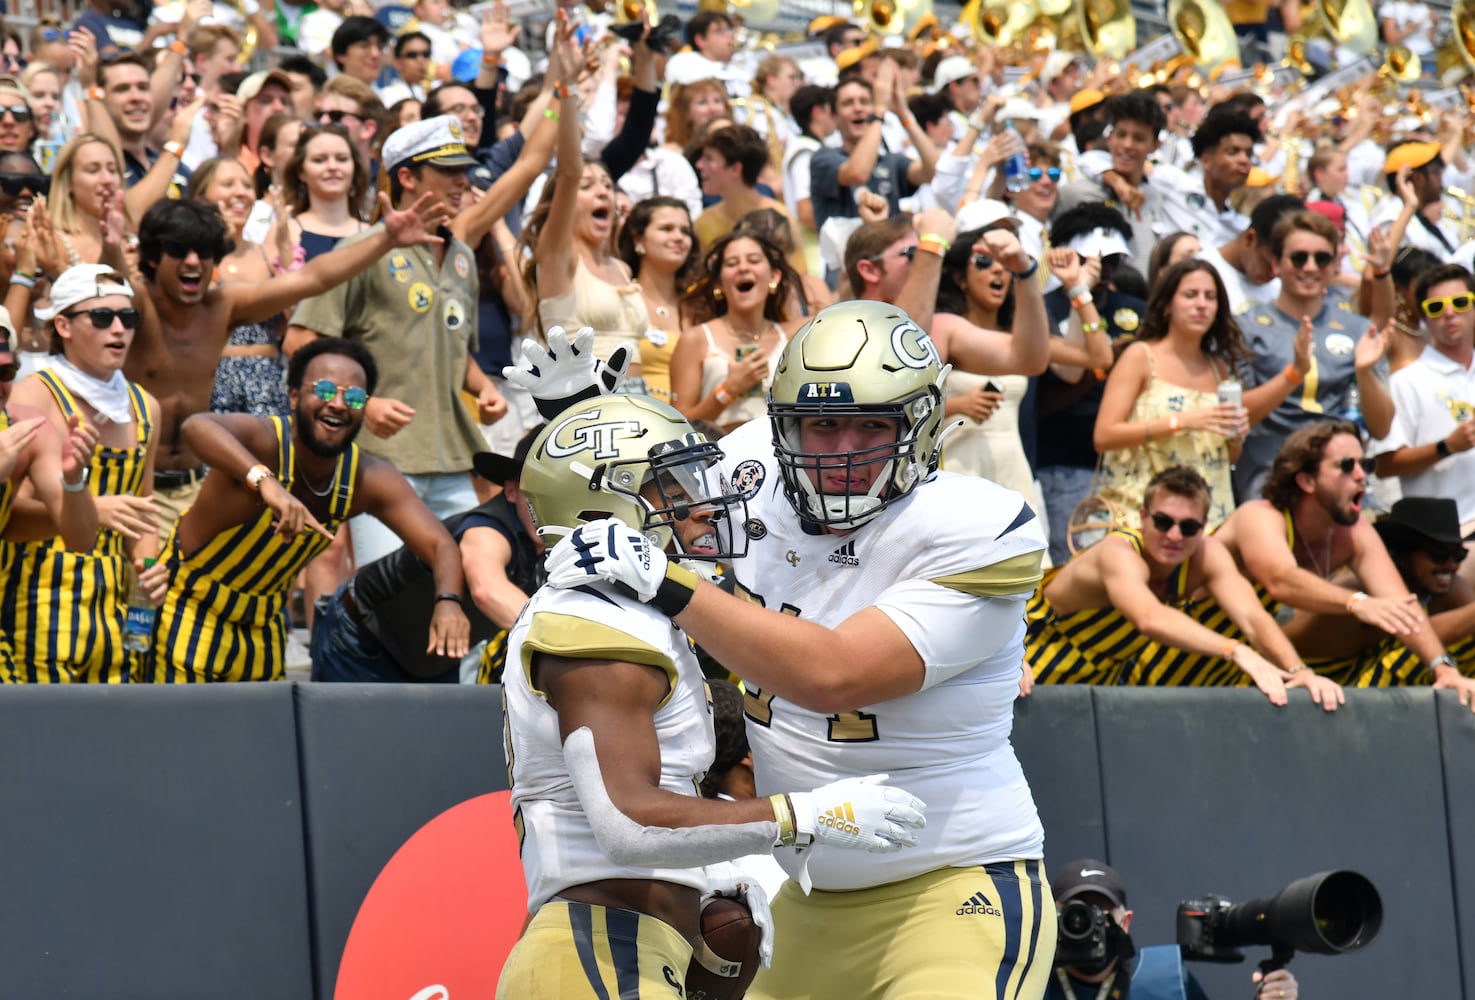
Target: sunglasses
[[417, 54], [907, 253], [102, 318], [1035, 173], [179, 251], [1348, 464], [1299, 258], [1188, 526], [53, 35], [15, 184], [1438, 556], [1455, 303], [354, 397], [18, 113], [982, 261], [11, 369], [336, 117]]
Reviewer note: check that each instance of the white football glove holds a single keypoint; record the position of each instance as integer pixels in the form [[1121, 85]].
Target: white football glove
[[567, 371], [611, 551], [728, 879], [860, 814]]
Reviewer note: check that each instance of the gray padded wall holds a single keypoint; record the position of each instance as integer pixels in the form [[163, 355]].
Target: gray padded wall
[[1215, 791], [1457, 741], [153, 844], [1055, 739], [422, 748]]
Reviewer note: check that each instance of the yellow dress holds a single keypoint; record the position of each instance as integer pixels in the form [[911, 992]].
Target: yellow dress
[[1125, 472]]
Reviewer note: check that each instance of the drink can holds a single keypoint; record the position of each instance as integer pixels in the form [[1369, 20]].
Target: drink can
[[1231, 391]]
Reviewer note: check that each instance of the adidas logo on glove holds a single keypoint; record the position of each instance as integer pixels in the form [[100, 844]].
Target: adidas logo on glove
[[842, 818]]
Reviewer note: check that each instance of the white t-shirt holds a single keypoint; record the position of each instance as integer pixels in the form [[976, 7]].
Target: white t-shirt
[[1431, 397], [1406, 13], [1242, 294]]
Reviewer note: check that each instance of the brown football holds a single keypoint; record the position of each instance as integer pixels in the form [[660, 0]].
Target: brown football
[[731, 935]]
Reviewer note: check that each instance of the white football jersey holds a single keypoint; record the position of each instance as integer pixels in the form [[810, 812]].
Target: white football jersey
[[557, 843], [936, 563]]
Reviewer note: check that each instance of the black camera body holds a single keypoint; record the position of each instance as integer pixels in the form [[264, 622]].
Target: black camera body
[[1081, 939], [1326, 914], [663, 38]]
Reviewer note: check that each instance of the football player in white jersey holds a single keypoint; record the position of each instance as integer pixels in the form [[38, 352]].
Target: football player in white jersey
[[609, 729], [891, 641]]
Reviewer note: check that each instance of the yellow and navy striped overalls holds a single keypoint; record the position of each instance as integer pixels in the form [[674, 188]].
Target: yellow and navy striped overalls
[[1093, 645], [224, 618], [63, 610]]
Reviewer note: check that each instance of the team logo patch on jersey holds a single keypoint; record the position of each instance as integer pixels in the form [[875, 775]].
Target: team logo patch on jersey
[[400, 268], [791, 557], [755, 529], [748, 477], [1340, 345], [979, 904], [845, 555], [462, 267], [421, 297]]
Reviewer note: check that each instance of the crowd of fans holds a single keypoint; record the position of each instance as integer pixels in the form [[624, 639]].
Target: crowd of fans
[[1226, 322]]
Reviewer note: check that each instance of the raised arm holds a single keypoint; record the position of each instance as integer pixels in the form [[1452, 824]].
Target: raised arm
[[474, 222], [155, 184], [856, 170], [554, 252], [416, 224]]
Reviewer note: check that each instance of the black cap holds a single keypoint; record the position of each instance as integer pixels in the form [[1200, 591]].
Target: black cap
[[1089, 875], [499, 469], [1416, 519]]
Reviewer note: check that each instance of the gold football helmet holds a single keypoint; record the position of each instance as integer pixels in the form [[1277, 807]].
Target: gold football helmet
[[637, 459], [857, 359]]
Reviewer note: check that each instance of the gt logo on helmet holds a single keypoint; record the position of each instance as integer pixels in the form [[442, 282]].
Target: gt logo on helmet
[[598, 438], [913, 347]]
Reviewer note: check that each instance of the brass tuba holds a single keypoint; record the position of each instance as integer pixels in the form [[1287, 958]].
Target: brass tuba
[[1108, 27], [1349, 23], [754, 12], [999, 22], [1455, 59], [1205, 31], [249, 35]]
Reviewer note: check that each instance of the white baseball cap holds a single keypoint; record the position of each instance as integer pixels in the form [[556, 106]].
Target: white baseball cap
[[437, 141], [1057, 63], [1019, 109], [951, 70], [83, 282]]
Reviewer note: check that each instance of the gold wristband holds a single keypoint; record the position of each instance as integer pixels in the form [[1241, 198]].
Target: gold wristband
[[787, 832]]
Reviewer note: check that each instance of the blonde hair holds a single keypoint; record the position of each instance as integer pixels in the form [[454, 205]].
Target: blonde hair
[[62, 205]]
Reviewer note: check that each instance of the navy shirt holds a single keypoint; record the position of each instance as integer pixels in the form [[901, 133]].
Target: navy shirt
[[888, 179]]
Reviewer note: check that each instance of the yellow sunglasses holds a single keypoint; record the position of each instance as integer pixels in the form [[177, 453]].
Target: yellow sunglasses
[[1458, 303]]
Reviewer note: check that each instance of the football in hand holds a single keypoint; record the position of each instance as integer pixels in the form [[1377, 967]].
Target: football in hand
[[733, 939]]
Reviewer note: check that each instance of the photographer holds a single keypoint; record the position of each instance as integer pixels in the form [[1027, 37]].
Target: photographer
[[1125, 972]]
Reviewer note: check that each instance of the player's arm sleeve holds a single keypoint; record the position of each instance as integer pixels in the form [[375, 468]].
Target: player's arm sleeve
[[962, 617]]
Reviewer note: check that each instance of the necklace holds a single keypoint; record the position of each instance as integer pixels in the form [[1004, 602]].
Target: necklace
[[313, 489], [1321, 571], [746, 336]]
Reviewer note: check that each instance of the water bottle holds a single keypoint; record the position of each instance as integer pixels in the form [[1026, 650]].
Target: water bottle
[[1016, 167], [1352, 408], [138, 627]]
